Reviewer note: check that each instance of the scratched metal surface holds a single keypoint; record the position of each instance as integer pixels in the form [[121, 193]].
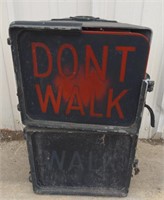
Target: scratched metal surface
[[77, 162]]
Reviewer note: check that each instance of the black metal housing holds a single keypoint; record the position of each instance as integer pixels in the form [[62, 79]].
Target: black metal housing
[[67, 30], [90, 150]]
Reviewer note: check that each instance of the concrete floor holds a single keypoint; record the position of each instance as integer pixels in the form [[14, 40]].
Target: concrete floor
[[14, 169]]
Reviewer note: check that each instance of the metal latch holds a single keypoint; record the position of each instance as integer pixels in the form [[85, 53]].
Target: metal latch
[[150, 89], [150, 86], [135, 167], [150, 83]]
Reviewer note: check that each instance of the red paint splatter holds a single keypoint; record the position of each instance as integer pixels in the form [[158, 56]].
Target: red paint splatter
[[86, 86]]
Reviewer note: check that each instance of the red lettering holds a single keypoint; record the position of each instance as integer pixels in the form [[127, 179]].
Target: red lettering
[[36, 45], [125, 51], [90, 56], [115, 103], [92, 105], [75, 60], [75, 98], [49, 96]]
